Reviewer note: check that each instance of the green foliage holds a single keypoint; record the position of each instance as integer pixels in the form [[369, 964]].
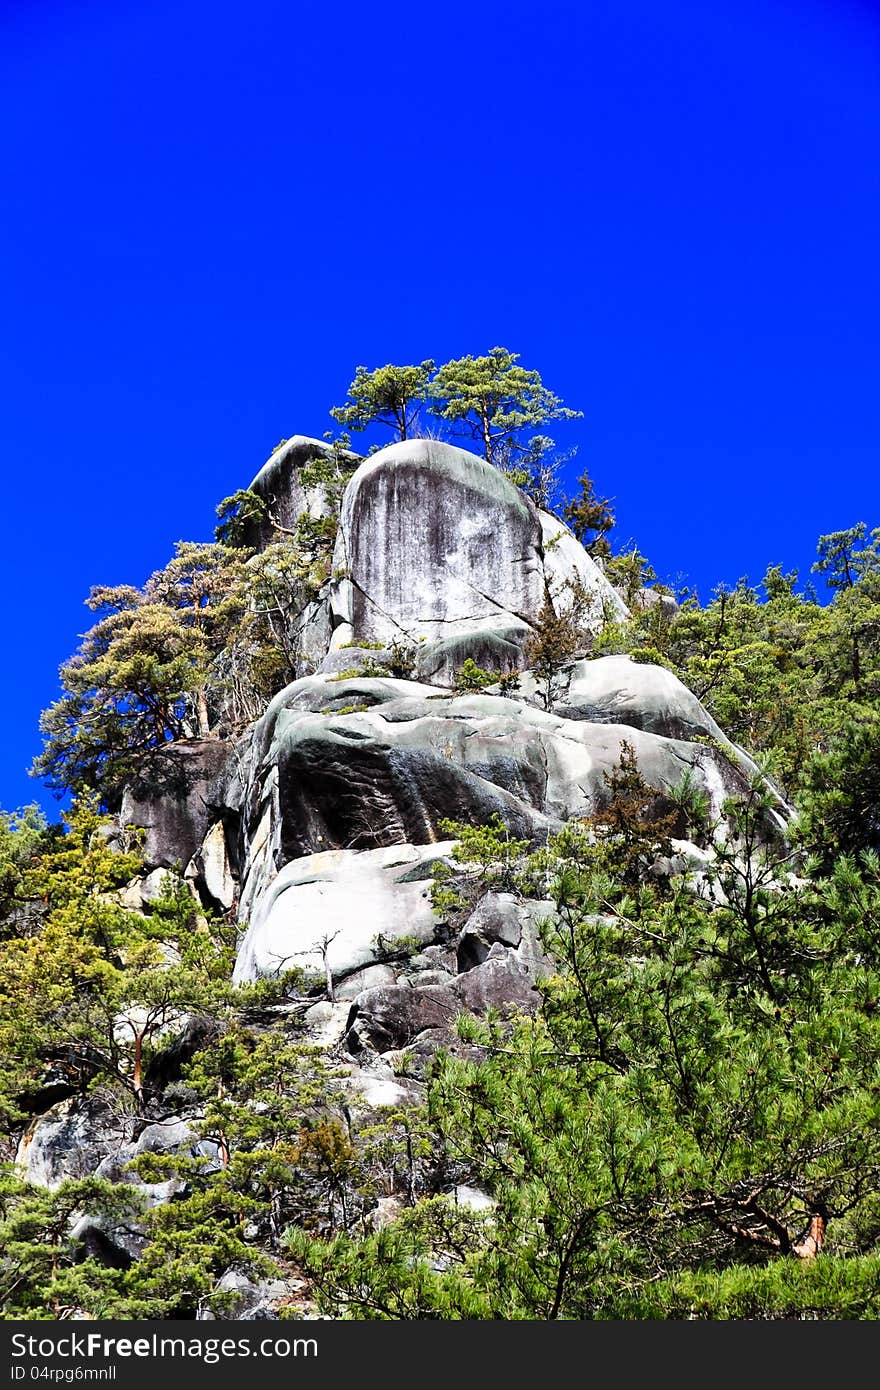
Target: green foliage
[[489, 849], [557, 638], [398, 661], [780, 671], [635, 825], [389, 948], [142, 675], [692, 805], [239, 516], [844, 558], [471, 677], [388, 395], [495, 400], [351, 673], [281, 1156], [22, 836], [840, 799], [831, 1288], [508, 682], [629, 572], [696, 1097], [43, 1272], [590, 517], [98, 989]]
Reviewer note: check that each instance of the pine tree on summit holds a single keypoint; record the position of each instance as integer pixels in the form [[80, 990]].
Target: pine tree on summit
[[495, 400], [388, 395]]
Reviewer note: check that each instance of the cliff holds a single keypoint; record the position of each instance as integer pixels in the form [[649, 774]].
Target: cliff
[[321, 827]]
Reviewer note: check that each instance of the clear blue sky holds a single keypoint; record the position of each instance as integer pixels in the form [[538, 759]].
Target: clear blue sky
[[214, 212]]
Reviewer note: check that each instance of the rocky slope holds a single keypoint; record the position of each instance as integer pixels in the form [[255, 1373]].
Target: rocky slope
[[319, 828]]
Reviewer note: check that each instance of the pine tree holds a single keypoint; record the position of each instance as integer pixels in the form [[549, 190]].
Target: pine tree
[[388, 395], [495, 400], [556, 640]]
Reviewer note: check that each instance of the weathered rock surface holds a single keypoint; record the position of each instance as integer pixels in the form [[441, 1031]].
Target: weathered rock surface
[[431, 535], [71, 1140], [438, 548], [618, 690], [171, 1135], [496, 645], [248, 1300], [407, 757], [569, 570], [391, 1018], [80, 1138], [280, 484], [322, 823], [504, 919], [210, 871], [352, 907], [177, 799]]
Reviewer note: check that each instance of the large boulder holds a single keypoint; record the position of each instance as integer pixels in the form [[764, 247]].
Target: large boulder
[[388, 1019], [505, 919], [394, 759], [618, 690], [342, 911], [434, 540], [280, 483], [71, 1140], [119, 1242], [177, 797]]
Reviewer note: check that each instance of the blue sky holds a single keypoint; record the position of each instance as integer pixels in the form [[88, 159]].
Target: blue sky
[[214, 212]]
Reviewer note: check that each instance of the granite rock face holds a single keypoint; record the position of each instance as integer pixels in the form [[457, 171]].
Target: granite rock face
[[439, 549], [84, 1137], [281, 485], [319, 827], [430, 536], [572, 574], [321, 824], [341, 910], [70, 1140], [180, 795], [361, 764], [618, 690], [388, 1019]]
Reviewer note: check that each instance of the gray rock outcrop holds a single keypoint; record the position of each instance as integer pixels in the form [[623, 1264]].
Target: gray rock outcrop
[[618, 690], [431, 535], [437, 548], [320, 826], [281, 486], [341, 910], [391, 1018], [71, 1140], [181, 793], [398, 759]]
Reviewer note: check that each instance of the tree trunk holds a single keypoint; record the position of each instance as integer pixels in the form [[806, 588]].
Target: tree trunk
[[810, 1243], [138, 1079], [487, 437], [202, 709]]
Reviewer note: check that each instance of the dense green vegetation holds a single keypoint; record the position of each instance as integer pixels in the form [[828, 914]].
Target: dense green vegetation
[[692, 1114], [783, 673], [688, 1126]]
